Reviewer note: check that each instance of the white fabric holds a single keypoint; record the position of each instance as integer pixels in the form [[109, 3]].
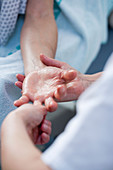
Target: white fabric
[[87, 142]]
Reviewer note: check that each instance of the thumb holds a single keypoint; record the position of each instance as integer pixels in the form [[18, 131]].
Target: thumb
[[50, 62], [42, 109], [69, 75]]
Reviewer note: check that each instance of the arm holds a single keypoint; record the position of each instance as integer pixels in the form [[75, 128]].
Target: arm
[[39, 34], [75, 82], [18, 151]]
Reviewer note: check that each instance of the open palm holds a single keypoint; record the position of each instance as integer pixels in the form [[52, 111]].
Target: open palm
[[40, 85]]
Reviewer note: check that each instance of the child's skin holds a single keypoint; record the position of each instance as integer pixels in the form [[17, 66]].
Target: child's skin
[[17, 142]]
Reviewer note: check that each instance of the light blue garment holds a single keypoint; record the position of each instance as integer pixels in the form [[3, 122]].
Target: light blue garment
[[10, 9], [83, 27], [14, 42]]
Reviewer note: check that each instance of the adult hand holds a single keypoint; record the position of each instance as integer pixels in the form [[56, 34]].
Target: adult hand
[[73, 89], [33, 116], [40, 85]]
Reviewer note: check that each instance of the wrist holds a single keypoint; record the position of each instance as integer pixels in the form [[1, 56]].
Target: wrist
[[12, 120], [33, 65]]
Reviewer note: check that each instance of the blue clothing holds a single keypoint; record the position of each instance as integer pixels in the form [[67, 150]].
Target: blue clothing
[[13, 44], [83, 27], [8, 17]]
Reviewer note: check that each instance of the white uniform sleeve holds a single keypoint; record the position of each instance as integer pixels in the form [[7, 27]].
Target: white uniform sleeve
[[87, 142]]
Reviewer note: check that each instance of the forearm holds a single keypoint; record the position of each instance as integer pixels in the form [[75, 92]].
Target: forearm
[[39, 34], [18, 151]]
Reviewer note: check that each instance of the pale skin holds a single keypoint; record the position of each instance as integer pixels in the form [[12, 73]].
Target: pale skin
[[71, 88], [41, 86], [18, 136], [43, 131], [39, 35]]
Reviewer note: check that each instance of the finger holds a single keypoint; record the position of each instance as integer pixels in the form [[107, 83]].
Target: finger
[[22, 100], [43, 139], [60, 93], [50, 62], [20, 77], [42, 108], [35, 134], [46, 128], [48, 122], [68, 92], [37, 102], [69, 75], [18, 84], [50, 104]]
